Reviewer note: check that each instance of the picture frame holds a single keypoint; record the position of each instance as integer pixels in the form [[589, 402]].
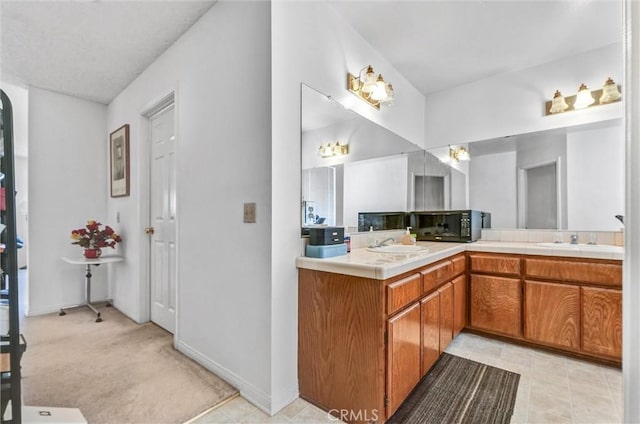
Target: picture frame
[[119, 161]]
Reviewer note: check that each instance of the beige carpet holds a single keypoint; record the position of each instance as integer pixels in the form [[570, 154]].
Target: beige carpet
[[115, 371]]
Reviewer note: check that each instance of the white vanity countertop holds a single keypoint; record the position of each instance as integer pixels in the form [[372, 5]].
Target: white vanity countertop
[[380, 266]]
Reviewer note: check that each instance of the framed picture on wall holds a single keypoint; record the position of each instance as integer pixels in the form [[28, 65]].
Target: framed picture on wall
[[119, 148]]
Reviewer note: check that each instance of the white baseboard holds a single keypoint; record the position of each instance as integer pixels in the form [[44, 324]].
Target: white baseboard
[[279, 401], [247, 390]]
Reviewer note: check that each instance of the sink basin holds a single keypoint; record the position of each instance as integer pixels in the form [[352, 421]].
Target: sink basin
[[398, 248]]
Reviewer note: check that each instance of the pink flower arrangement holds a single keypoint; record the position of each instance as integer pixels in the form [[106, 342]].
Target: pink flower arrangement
[[92, 236]]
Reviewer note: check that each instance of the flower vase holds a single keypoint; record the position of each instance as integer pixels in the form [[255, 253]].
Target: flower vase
[[92, 253]]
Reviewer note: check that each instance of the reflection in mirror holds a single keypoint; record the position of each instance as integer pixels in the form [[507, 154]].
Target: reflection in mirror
[[567, 178], [382, 172]]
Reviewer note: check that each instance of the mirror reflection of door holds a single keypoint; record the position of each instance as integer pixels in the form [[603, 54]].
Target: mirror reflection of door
[[429, 192], [541, 207]]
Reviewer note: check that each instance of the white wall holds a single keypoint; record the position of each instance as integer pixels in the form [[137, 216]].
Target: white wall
[[595, 178], [221, 69], [19, 97], [312, 44], [513, 103], [492, 187], [67, 187], [631, 288], [377, 185]]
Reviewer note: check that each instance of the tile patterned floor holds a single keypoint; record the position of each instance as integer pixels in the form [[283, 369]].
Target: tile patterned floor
[[552, 389]]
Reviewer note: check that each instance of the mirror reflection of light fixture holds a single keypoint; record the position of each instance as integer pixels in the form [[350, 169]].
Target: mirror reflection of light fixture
[[558, 104], [374, 91], [457, 154], [328, 150], [584, 98], [609, 93]]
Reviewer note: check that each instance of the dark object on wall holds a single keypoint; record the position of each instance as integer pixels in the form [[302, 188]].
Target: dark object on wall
[[458, 225], [119, 161], [620, 218]]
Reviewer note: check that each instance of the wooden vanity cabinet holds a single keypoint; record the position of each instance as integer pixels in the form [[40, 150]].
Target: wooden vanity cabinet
[[430, 312], [496, 304], [459, 303], [552, 314], [403, 355], [446, 315], [602, 321]]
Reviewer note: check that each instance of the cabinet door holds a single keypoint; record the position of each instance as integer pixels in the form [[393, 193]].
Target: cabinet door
[[552, 314], [495, 304], [430, 311], [602, 321], [459, 304], [403, 360], [446, 315]]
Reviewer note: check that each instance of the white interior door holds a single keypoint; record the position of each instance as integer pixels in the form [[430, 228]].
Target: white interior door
[[163, 219]]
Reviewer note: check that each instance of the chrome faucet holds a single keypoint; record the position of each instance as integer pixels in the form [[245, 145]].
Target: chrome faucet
[[381, 243], [574, 238]]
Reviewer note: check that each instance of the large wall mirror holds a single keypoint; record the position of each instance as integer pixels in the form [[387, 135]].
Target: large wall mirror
[[382, 172], [568, 178]]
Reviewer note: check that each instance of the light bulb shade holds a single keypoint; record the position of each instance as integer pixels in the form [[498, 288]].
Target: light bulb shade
[[463, 154], [390, 99], [380, 90], [610, 92], [369, 81], [583, 98], [558, 104]]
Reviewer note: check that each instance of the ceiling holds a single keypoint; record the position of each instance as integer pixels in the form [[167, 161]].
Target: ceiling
[[442, 44], [94, 48], [88, 49]]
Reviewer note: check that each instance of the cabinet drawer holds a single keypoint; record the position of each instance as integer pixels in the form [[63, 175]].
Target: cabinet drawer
[[403, 292], [578, 271], [495, 264], [435, 275], [459, 265]]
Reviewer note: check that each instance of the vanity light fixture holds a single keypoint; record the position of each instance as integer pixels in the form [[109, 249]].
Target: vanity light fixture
[[329, 150], [585, 98], [610, 92], [374, 91], [457, 154]]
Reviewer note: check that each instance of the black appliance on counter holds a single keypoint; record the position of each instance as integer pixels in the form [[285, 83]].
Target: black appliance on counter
[[382, 221], [324, 236], [457, 226]]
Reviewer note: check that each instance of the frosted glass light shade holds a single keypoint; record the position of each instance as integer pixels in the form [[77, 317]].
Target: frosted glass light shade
[[390, 97], [369, 81], [558, 104], [583, 98], [610, 92], [380, 90]]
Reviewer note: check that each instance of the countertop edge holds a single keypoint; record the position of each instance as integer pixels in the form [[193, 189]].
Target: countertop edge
[[383, 271]]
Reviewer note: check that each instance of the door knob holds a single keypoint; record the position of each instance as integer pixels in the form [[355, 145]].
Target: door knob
[[149, 230]]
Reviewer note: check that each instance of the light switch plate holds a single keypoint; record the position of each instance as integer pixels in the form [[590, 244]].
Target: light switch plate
[[249, 213]]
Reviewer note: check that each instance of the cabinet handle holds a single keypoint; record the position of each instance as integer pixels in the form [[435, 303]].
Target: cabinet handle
[[149, 230]]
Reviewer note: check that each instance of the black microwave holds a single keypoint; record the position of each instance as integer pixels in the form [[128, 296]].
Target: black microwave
[[458, 226]]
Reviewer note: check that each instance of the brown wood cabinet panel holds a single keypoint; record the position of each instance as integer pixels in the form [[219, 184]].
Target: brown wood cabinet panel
[[494, 264], [459, 304], [552, 314], [401, 293], [430, 311], [446, 315], [459, 265], [578, 271], [495, 304], [403, 360], [602, 321], [435, 275], [341, 349]]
